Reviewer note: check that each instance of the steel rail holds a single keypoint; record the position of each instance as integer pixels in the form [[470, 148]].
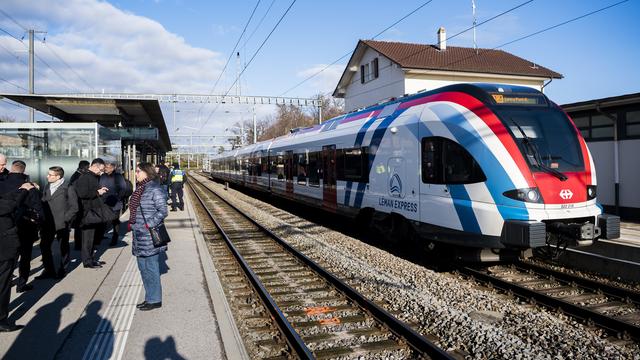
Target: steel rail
[[617, 326], [293, 338], [397, 327], [593, 285]]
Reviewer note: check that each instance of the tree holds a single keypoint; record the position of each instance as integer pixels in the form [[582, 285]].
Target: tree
[[331, 107]]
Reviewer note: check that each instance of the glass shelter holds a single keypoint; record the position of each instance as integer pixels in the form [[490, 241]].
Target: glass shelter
[[42, 145]]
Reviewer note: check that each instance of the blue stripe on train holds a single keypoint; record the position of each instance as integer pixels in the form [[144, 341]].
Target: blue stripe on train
[[462, 203], [376, 139], [359, 138]]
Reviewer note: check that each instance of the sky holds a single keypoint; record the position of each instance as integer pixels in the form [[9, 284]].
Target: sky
[[180, 46]]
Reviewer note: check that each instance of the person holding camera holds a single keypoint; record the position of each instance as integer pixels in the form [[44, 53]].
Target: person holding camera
[[89, 192]]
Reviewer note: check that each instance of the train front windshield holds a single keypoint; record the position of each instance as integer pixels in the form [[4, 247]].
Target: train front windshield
[[545, 137]]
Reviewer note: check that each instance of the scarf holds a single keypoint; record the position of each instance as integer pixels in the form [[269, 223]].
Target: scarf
[[55, 185], [134, 201]]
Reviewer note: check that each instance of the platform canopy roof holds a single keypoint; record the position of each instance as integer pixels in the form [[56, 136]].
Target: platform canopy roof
[[111, 113]]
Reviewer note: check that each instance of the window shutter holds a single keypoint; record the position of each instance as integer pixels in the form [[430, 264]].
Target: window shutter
[[375, 68], [361, 74]]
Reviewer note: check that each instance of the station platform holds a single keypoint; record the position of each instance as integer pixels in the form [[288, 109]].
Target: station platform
[[91, 313]]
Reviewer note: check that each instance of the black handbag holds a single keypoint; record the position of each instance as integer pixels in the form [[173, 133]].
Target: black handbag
[[99, 215], [159, 235]]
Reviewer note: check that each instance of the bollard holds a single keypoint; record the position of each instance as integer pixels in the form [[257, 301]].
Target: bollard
[[226, 185]]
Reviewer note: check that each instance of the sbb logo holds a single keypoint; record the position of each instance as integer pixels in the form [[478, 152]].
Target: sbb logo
[[566, 194]]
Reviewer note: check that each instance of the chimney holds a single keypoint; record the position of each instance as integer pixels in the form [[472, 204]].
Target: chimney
[[442, 39]]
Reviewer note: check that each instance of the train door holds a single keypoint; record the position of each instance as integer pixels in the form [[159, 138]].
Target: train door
[[288, 171], [436, 203], [329, 193]]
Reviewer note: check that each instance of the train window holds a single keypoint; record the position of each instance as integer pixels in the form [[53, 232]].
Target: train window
[[264, 165], [431, 161], [300, 164], [352, 164], [446, 162], [313, 167], [459, 166], [280, 167]]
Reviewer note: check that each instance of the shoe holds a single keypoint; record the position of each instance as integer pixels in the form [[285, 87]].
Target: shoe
[[61, 274], [92, 266], [46, 275], [9, 327], [173, 210], [181, 209], [141, 305], [99, 262], [23, 288], [148, 306], [114, 242]]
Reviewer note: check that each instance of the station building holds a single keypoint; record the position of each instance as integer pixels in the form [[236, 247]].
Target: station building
[[611, 127], [381, 70], [127, 131]]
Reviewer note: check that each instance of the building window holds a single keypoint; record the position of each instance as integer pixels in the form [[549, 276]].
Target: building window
[[632, 123], [594, 126], [369, 71]]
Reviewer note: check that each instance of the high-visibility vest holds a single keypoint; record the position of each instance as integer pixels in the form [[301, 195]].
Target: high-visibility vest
[[177, 175]]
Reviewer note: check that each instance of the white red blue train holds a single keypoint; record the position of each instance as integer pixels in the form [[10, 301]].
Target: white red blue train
[[484, 166]]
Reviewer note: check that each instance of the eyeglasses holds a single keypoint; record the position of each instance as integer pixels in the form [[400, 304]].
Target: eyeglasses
[[138, 171]]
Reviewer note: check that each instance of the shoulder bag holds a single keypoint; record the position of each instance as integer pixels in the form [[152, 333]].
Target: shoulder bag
[[159, 235]]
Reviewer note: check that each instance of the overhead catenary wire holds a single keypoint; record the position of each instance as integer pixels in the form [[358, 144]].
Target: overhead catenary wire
[[66, 82], [457, 34], [349, 53], [10, 34], [481, 52], [89, 87], [250, 60], [14, 84], [234, 49]]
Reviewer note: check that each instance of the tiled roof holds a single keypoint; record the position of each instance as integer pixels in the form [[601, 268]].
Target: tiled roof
[[429, 57]]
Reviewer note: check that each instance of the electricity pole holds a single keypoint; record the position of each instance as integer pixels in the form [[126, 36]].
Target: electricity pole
[[31, 71]]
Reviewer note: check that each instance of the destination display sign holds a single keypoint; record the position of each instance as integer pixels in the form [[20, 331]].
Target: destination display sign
[[518, 99]]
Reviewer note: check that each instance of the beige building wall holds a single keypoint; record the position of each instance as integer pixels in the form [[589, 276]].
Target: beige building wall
[[415, 82]]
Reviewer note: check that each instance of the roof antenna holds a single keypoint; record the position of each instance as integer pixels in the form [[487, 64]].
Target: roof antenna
[[473, 8]]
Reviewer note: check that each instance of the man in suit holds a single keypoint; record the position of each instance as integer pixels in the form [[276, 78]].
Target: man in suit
[[83, 167], [115, 183], [59, 212], [89, 192]]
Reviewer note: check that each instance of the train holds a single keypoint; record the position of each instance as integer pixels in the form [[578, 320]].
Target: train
[[489, 168]]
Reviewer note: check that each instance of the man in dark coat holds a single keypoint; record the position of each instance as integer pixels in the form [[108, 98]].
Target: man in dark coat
[[29, 216], [9, 244], [83, 167], [115, 183], [59, 212], [89, 192]]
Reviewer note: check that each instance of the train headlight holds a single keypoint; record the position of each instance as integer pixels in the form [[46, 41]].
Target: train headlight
[[531, 195], [591, 192]]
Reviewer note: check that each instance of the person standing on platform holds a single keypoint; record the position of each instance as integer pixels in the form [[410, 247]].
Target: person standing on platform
[[89, 192], [177, 182], [165, 176], [115, 183], [83, 167], [9, 244], [29, 217], [3, 167], [59, 211], [147, 209]]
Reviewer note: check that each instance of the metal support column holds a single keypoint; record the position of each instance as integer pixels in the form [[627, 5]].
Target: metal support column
[[31, 74]]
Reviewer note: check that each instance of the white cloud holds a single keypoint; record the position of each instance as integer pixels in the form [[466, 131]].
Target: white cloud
[[325, 81], [112, 49]]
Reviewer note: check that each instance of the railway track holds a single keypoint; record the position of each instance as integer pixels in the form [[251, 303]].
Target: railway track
[[316, 314], [617, 310]]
